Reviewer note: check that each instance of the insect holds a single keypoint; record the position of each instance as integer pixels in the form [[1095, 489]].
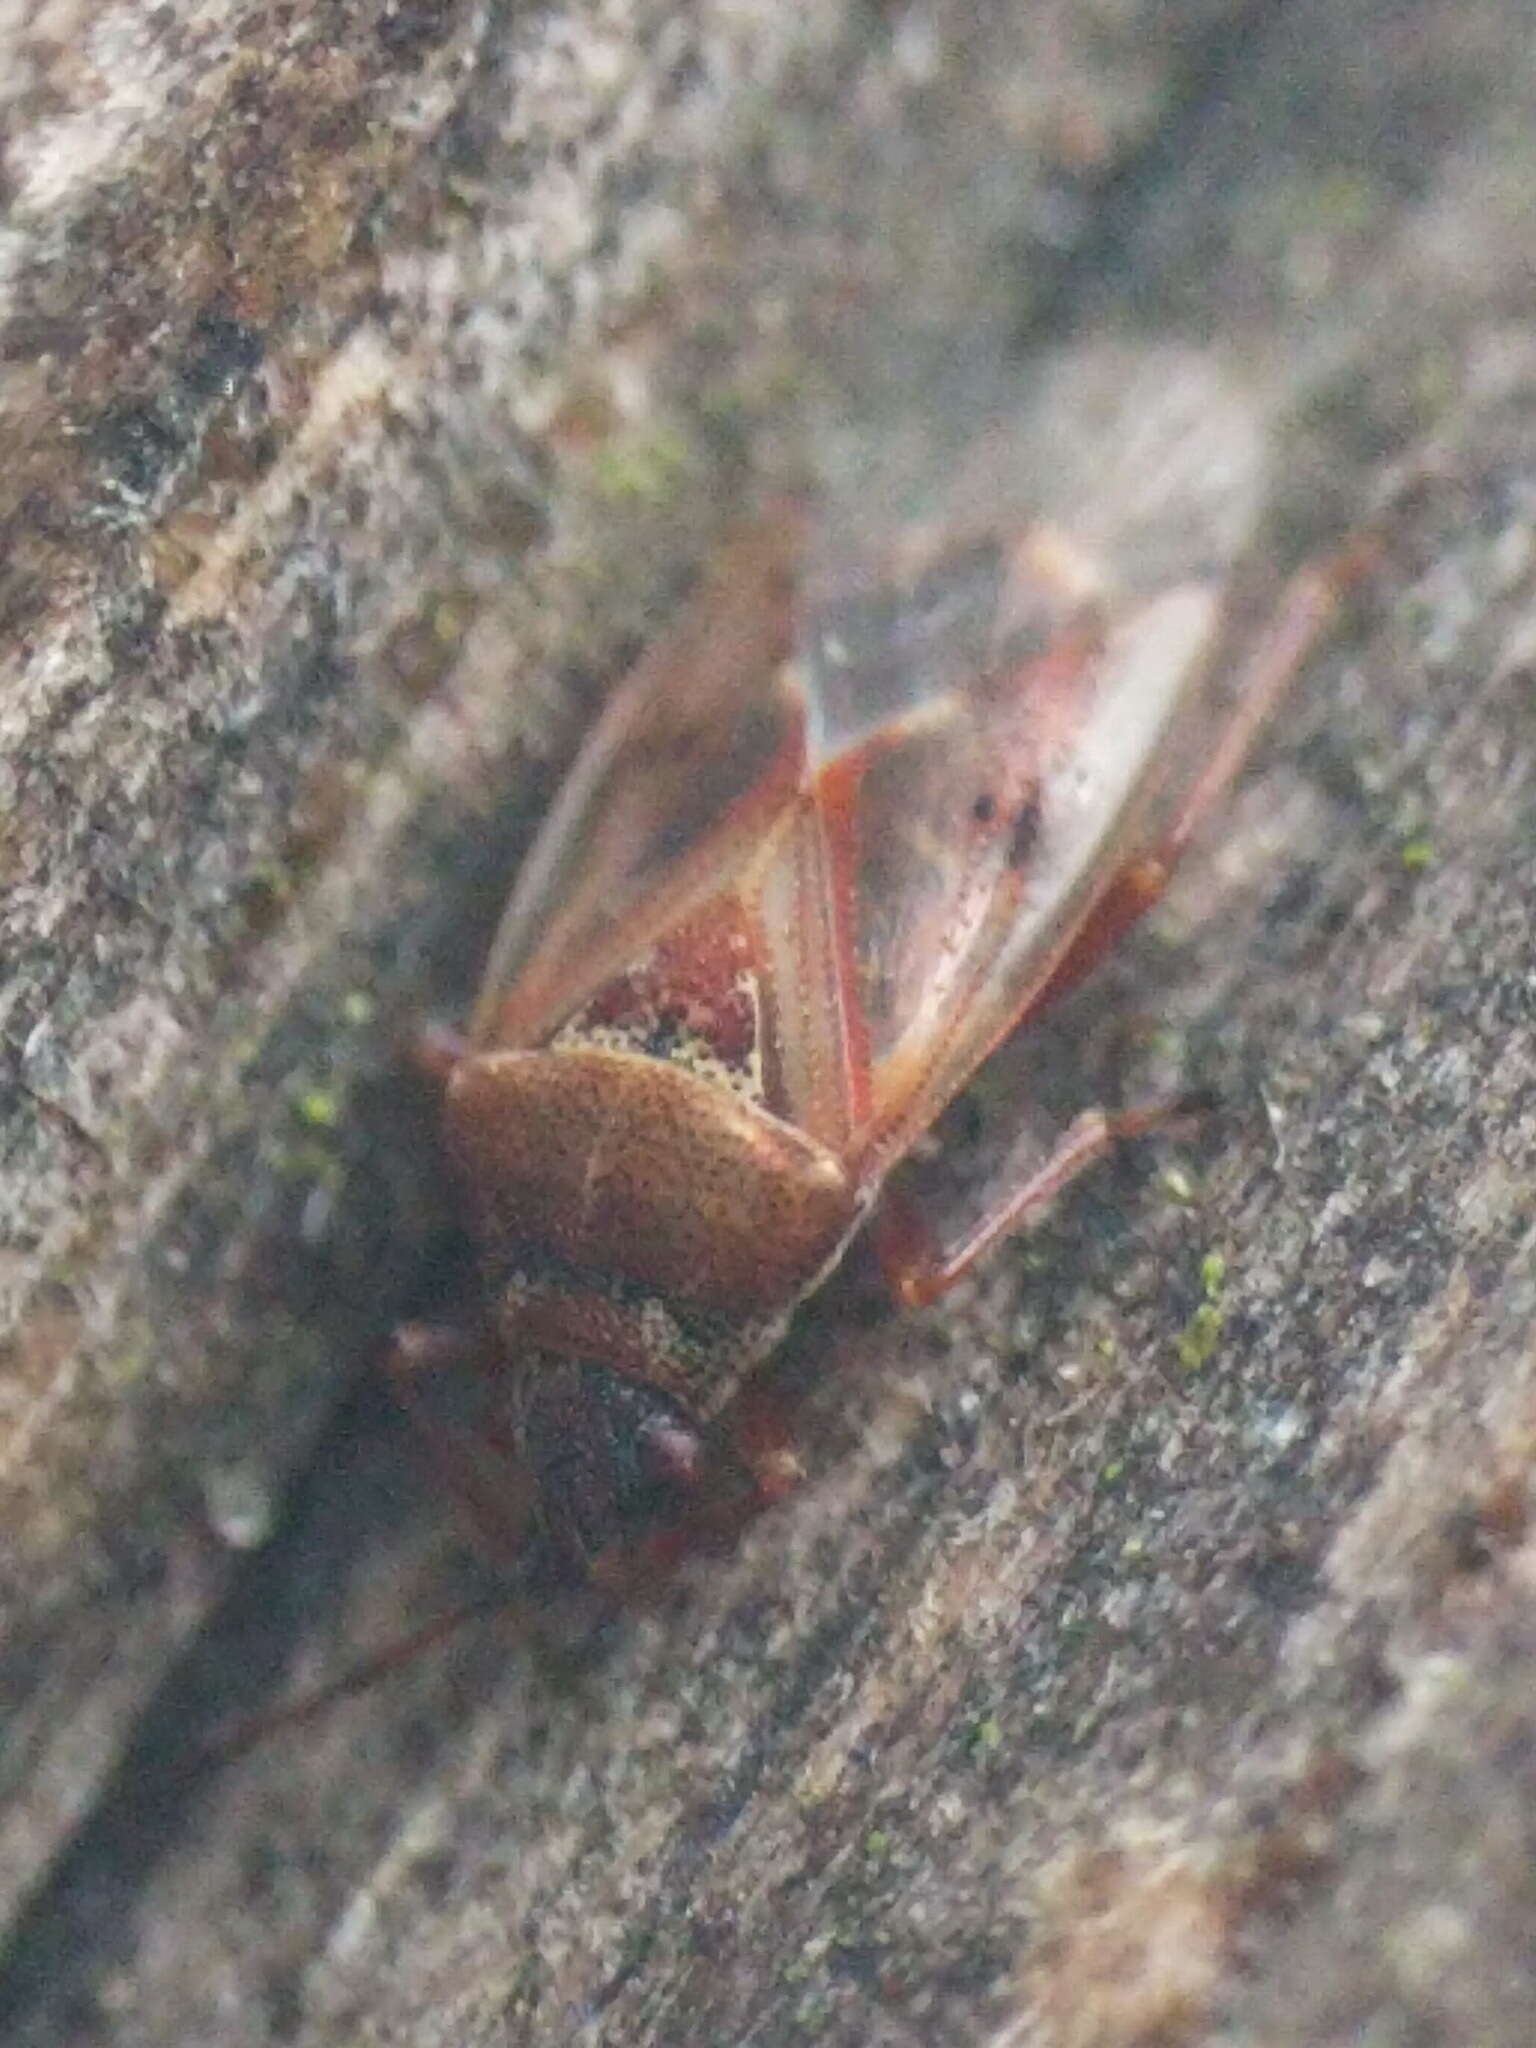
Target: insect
[[832, 841]]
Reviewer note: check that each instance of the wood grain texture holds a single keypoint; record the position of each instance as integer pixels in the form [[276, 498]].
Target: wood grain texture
[[1149, 1658]]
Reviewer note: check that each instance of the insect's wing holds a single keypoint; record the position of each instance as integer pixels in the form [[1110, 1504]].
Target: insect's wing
[[968, 836], [906, 823], [1009, 700], [697, 759]]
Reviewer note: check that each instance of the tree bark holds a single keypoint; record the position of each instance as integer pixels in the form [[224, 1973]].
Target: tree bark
[[1149, 1657]]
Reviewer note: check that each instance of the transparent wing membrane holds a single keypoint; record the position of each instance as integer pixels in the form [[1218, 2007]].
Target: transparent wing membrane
[[897, 774]]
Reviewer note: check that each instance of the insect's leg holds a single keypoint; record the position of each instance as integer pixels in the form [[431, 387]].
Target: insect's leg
[[483, 1475], [919, 1266], [1306, 606], [762, 1436]]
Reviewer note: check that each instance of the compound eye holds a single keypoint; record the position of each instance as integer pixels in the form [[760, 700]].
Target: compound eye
[[676, 1451], [609, 1456]]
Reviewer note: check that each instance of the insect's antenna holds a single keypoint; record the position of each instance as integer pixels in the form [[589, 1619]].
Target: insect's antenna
[[238, 1738]]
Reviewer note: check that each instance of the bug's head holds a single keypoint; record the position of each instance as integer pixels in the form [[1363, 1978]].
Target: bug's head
[[609, 1456]]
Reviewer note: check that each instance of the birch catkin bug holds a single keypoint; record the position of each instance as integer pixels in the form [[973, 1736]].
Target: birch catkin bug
[[845, 830], [829, 845]]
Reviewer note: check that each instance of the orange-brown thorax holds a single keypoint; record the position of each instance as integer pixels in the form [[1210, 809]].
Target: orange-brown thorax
[[633, 1167]]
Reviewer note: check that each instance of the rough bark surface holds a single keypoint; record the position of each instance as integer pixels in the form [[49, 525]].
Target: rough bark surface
[[1150, 1657]]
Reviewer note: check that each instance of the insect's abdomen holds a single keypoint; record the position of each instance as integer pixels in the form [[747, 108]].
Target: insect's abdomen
[[635, 1168]]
